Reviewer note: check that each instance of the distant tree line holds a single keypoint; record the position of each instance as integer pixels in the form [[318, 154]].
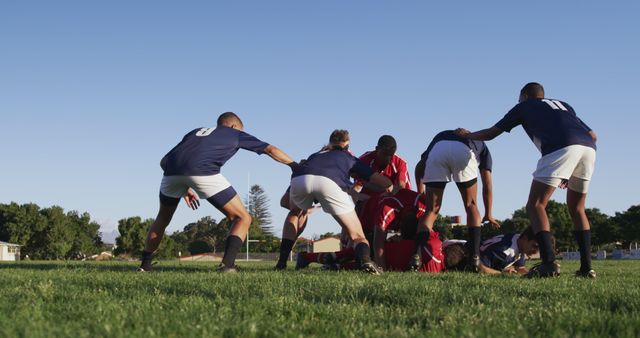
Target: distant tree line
[[49, 233], [52, 233]]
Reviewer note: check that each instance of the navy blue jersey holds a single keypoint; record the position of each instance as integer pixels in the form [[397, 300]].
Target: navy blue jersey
[[479, 148], [550, 124], [204, 151], [501, 252], [337, 165]]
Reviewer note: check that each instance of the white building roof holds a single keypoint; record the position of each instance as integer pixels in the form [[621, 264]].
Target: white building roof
[[9, 244]]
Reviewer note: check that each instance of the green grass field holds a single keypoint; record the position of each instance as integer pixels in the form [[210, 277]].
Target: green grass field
[[189, 300]]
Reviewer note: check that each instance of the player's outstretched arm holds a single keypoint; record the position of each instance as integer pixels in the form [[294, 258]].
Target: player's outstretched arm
[[480, 135], [488, 270], [487, 198], [279, 155]]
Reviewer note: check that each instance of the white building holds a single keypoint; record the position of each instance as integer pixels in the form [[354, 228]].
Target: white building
[[329, 244], [9, 252]]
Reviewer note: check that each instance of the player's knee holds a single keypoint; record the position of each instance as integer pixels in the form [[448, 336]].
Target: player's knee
[[577, 210], [240, 216], [535, 205]]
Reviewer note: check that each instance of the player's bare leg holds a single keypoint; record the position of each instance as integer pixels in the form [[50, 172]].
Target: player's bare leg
[[433, 201], [349, 221], [539, 196], [237, 214], [582, 233], [294, 224], [468, 194], [155, 234]]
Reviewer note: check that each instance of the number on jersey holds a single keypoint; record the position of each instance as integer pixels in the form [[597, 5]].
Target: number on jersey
[[555, 104], [205, 131]]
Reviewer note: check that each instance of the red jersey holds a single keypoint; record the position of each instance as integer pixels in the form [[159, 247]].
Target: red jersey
[[393, 207], [398, 254], [396, 170]]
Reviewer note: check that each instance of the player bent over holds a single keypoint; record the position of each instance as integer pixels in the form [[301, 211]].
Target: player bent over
[[386, 162], [452, 157], [568, 148], [195, 164], [325, 177]]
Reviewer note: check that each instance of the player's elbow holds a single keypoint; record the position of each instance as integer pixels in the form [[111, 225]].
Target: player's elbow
[[270, 149]]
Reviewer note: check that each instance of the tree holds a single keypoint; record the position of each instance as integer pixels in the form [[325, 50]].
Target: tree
[[258, 205], [205, 235], [54, 241], [19, 223], [629, 223], [603, 229], [133, 234], [85, 232], [328, 235]]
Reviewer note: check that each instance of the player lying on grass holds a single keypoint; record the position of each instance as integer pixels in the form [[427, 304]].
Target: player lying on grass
[[568, 148], [192, 170], [450, 157], [325, 177], [500, 254]]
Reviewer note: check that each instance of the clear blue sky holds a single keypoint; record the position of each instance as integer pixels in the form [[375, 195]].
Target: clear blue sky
[[94, 93]]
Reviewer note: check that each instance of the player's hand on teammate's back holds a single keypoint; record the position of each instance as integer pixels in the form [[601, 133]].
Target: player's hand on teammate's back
[[191, 198]]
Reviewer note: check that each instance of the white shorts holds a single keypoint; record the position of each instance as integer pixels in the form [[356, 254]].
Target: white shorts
[[214, 188], [306, 189], [574, 163], [450, 160]]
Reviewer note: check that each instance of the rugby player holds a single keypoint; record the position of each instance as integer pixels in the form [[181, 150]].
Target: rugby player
[[325, 177], [568, 148], [500, 254], [452, 157], [192, 170], [386, 162]]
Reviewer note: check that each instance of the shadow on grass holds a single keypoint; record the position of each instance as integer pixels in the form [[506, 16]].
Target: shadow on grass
[[105, 266]]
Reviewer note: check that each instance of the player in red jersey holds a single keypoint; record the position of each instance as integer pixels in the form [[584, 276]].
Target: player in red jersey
[[384, 161], [401, 212]]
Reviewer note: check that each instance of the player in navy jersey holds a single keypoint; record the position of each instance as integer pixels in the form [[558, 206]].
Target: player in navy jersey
[[450, 157], [568, 148], [504, 253], [192, 170], [325, 178], [507, 253]]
